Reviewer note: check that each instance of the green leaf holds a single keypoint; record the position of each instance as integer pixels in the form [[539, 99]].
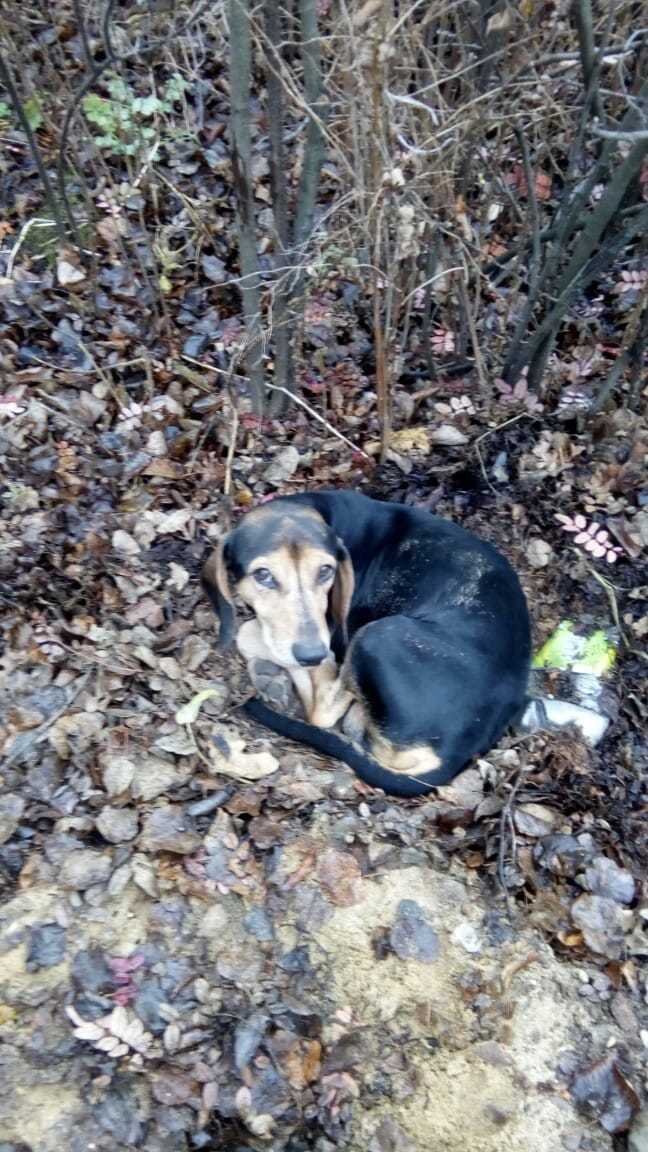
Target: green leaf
[[147, 105], [33, 113], [5, 110], [175, 88]]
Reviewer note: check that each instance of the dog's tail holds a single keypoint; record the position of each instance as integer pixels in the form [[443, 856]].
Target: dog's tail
[[395, 783]]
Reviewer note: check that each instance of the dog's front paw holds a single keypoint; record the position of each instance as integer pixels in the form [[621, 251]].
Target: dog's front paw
[[274, 684]]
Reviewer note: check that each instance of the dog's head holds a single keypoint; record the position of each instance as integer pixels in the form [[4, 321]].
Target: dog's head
[[289, 567]]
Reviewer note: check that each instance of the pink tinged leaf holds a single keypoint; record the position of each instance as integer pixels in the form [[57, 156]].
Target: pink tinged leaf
[[124, 996], [612, 557], [73, 1015], [602, 537], [596, 549], [582, 538], [580, 521]]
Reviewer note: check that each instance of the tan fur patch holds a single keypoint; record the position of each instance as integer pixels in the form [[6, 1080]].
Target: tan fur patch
[[416, 760], [298, 601], [330, 697]]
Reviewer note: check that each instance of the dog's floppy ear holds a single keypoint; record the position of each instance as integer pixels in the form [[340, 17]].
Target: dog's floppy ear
[[215, 581], [342, 590]]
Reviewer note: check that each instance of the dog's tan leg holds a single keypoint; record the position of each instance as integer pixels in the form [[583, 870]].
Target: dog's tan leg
[[303, 685], [330, 698]]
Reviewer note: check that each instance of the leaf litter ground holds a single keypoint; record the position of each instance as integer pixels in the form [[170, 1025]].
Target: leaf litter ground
[[193, 958]]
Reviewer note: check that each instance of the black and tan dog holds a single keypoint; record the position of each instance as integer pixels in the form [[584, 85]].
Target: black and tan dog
[[407, 625]]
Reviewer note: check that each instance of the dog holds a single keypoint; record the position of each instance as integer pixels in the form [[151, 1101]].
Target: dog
[[404, 626]]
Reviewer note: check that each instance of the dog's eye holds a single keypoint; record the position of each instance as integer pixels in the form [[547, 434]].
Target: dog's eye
[[325, 573], [264, 576]]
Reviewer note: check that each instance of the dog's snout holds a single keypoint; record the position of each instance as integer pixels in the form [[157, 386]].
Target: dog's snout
[[309, 655]]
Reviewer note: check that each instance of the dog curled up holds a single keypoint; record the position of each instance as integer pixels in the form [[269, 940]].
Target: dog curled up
[[407, 629]]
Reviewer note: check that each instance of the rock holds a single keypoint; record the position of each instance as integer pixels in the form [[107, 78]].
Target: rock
[[624, 1013], [84, 868], [448, 436], [118, 772], [602, 924], [339, 875], [169, 829], [390, 1137], [154, 776], [284, 465], [603, 1088], [411, 936], [535, 820], [604, 878], [11, 810], [638, 1136], [539, 553], [492, 1053], [117, 824], [46, 946], [467, 937], [90, 971]]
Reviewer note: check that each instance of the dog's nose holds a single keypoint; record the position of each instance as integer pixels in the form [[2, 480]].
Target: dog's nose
[[308, 655]]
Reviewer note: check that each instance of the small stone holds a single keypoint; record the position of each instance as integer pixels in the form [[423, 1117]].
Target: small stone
[[497, 1114], [467, 937], [169, 829], [492, 1053], [604, 878], [11, 810], [117, 824], [411, 936], [154, 776], [118, 772], [84, 868], [624, 1013], [46, 946], [602, 924]]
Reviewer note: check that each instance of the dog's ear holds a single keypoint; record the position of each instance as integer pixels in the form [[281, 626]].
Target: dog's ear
[[215, 581], [342, 590]]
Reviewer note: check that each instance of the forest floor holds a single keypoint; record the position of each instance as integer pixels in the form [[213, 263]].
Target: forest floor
[[201, 949]]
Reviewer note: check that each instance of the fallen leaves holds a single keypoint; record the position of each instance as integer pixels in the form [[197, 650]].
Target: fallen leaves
[[121, 1033]]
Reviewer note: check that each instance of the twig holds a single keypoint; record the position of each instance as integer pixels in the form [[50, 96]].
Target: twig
[[472, 328], [608, 588], [507, 825], [616, 134], [297, 400], [35, 222]]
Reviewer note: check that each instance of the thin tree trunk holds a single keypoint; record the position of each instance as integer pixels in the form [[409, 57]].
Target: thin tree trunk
[[240, 87], [281, 325], [7, 81]]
